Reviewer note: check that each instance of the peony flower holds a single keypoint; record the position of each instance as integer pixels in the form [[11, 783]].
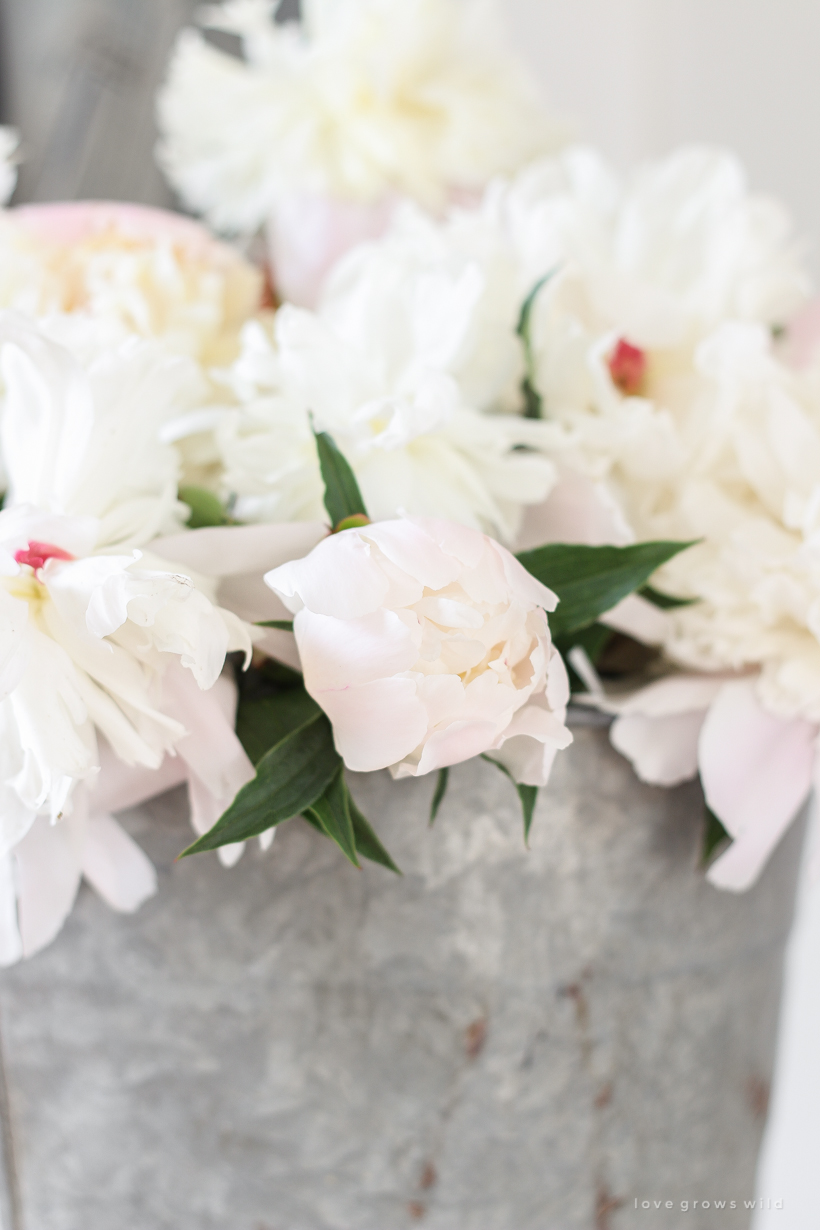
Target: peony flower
[[106, 653], [158, 274], [321, 129], [455, 282], [393, 409], [746, 484], [427, 644], [637, 274], [367, 96]]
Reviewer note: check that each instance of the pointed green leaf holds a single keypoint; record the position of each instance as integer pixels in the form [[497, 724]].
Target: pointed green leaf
[[523, 326], [440, 791], [666, 602], [332, 810], [533, 403], [279, 674], [528, 795], [289, 779], [266, 721], [590, 581], [284, 625], [206, 508], [342, 496], [367, 843], [715, 838]]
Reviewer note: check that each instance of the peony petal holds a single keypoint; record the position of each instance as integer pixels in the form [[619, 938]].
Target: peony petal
[[376, 724], [340, 653], [665, 697], [663, 750], [230, 551], [13, 624], [523, 584], [756, 771], [460, 741], [528, 747], [211, 748], [48, 863], [408, 544], [205, 811], [340, 577], [459, 541], [119, 785], [116, 867], [528, 761], [576, 510], [48, 416]]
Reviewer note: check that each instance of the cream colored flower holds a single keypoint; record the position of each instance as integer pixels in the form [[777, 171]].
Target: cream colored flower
[[106, 652], [154, 272], [427, 644], [396, 413], [366, 97]]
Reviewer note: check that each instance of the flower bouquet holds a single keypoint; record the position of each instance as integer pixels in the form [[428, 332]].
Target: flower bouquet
[[542, 453]]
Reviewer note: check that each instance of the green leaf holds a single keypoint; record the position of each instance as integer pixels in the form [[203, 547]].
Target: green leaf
[[280, 675], [666, 602], [264, 722], [523, 326], [533, 403], [715, 838], [367, 843], [590, 581], [527, 795], [284, 625], [342, 496], [440, 791], [206, 508], [332, 811], [289, 780]]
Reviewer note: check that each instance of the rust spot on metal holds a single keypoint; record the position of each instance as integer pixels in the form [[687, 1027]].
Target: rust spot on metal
[[575, 992], [429, 1177], [474, 1038], [605, 1205], [604, 1096], [757, 1091], [416, 1210]]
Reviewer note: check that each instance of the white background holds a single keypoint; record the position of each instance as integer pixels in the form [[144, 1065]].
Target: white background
[[637, 77]]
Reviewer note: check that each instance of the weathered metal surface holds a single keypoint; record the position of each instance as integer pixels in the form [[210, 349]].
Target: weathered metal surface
[[501, 1040], [79, 79]]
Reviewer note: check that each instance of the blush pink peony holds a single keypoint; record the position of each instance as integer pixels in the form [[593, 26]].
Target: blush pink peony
[[427, 643]]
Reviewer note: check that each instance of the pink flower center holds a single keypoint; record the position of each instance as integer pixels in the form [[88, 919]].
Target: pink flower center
[[627, 366], [36, 554]]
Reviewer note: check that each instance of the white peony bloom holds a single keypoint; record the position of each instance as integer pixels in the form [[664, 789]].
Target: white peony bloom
[[81, 414], [158, 274], [427, 644], [104, 649], [748, 484], [9, 141], [454, 284], [395, 412], [637, 274], [367, 97]]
